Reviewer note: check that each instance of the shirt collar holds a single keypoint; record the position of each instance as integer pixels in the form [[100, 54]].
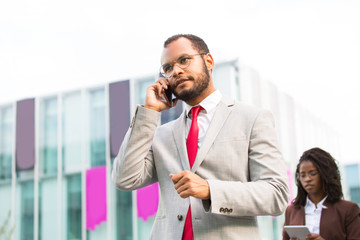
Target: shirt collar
[[310, 205], [208, 104]]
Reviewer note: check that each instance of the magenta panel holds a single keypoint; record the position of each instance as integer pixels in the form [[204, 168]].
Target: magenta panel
[[147, 201], [96, 207], [290, 182]]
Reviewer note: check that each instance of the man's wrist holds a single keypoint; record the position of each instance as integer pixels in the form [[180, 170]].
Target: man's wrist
[[151, 108]]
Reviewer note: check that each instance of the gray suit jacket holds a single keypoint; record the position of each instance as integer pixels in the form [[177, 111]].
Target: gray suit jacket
[[239, 158]]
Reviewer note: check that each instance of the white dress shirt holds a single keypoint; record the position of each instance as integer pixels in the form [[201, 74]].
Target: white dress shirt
[[205, 116], [313, 214]]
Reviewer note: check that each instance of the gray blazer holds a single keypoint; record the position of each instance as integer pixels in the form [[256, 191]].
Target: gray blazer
[[239, 158]]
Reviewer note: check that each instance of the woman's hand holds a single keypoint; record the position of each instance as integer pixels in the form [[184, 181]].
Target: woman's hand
[[313, 236]]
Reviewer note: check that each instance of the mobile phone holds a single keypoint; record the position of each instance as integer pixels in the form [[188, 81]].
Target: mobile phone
[[297, 231], [168, 95]]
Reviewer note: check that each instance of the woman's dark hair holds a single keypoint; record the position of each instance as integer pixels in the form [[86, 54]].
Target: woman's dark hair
[[196, 42], [329, 173]]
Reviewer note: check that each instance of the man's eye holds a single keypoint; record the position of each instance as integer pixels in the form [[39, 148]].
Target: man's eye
[[167, 68], [184, 60]]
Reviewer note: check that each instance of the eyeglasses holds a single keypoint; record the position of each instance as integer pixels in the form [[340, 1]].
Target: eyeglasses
[[311, 175], [167, 70]]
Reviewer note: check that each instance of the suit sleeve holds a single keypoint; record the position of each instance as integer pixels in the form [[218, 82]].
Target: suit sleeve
[[134, 167], [266, 191], [352, 222]]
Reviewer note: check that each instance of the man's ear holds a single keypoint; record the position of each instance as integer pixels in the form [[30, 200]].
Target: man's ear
[[209, 61]]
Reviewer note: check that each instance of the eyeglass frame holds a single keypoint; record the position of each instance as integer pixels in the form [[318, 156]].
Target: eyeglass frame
[[173, 63], [311, 175]]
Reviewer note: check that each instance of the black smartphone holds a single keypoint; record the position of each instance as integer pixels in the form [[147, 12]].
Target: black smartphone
[[168, 95]]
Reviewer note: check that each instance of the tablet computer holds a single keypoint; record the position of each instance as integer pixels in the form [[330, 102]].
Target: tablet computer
[[297, 231]]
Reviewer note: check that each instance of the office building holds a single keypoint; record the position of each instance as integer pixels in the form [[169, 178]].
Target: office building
[[56, 156]]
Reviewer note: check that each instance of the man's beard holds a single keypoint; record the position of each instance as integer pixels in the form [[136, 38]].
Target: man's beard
[[200, 84]]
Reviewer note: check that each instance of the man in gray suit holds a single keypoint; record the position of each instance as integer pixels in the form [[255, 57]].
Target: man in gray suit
[[216, 179]]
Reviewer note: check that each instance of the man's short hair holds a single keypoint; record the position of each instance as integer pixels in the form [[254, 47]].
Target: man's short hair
[[196, 42]]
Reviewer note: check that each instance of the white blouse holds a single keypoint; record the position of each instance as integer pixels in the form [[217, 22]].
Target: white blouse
[[313, 214]]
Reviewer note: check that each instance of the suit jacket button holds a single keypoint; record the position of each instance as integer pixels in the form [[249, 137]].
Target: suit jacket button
[[180, 217]]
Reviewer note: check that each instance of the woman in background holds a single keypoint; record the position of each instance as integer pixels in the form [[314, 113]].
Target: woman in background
[[318, 203]]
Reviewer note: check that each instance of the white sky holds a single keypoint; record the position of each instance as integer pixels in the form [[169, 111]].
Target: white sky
[[309, 48]]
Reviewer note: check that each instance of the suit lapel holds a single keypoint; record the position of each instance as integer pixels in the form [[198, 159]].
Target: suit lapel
[[301, 216], [221, 114], [179, 136], [325, 216]]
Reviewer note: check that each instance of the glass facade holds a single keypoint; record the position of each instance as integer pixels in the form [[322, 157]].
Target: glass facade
[[27, 210], [6, 142], [73, 208], [48, 139], [140, 86], [72, 132], [124, 216], [97, 127], [48, 212], [5, 207], [353, 181]]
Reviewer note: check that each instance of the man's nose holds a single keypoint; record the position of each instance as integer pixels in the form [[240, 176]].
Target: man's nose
[[177, 70]]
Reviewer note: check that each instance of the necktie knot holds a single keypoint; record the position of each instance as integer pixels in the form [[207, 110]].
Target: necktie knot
[[195, 111]]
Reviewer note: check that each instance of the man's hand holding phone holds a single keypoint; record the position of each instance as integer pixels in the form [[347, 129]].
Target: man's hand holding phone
[[159, 96]]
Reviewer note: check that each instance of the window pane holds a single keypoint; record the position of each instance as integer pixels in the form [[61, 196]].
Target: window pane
[[172, 113], [27, 210], [144, 227], [97, 127], [73, 219], [48, 205], [72, 124], [124, 215], [140, 89], [352, 175], [48, 136], [6, 142], [5, 206], [355, 194]]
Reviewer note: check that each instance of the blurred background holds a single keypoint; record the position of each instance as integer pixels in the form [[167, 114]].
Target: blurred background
[[72, 72]]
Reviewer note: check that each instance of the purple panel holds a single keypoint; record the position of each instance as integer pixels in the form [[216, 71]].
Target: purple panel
[[119, 98], [25, 134]]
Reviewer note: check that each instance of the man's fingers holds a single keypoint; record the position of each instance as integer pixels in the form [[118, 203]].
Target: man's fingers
[[174, 177]]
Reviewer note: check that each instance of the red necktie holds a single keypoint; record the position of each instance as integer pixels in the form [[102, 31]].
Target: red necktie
[[192, 147]]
